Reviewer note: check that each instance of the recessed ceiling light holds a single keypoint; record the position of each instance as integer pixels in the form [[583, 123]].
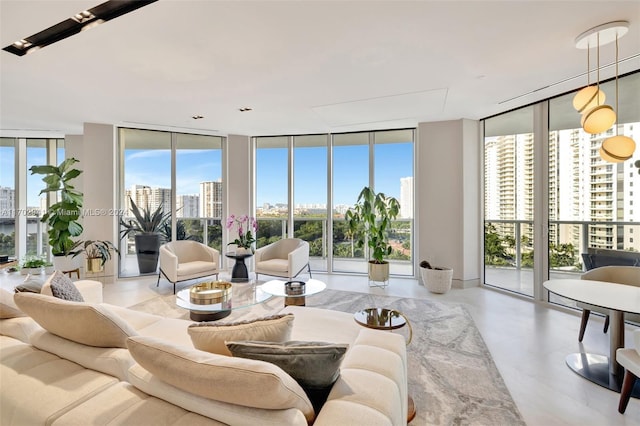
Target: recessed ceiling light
[[79, 22], [197, 117], [245, 109]]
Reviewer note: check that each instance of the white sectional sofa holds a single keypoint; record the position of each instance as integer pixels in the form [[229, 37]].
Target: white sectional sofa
[[47, 379]]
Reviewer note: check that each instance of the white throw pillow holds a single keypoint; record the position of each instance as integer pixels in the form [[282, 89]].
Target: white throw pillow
[[240, 381], [211, 337], [88, 324]]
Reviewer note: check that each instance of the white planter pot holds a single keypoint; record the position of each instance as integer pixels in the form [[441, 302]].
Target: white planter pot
[[437, 280], [66, 263], [34, 271]]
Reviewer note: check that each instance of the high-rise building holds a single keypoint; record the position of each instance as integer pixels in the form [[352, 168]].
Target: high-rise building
[[147, 197], [211, 199], [406, 197], [188, 205], [7, 201], [583, 188]]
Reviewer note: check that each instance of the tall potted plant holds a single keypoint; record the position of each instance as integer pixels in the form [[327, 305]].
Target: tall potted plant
[[63, 216], [146, 228], [368, 222]]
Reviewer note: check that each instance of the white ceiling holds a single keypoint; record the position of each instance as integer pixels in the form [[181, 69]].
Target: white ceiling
[[303, 66]]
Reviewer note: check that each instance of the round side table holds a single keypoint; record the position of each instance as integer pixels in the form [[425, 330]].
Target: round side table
[[387, 319], [239, 273]]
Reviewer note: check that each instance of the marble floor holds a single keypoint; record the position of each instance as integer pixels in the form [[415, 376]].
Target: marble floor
[[528, 342]]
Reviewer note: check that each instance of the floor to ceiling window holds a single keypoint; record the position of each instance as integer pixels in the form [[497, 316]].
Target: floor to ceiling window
[[193, 201], [393, 175], [272, 188], [591, 201], [199, 189], [146, 181], [7, 197], [508, 201], [37, 243], [21, 205], [310, 212], [591, 206], [306, 183], [350, 167]]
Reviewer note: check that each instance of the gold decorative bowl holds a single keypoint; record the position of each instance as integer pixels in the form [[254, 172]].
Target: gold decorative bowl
[[210, 292]]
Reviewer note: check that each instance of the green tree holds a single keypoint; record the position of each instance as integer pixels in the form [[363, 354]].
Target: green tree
[[494, 253]]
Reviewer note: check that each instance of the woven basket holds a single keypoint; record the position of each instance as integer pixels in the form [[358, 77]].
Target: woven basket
[[437, 280]]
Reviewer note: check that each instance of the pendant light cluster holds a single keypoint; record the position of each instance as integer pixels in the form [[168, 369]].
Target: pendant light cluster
[[598, 117]]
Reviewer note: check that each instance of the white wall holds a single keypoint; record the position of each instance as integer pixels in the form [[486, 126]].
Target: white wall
[[448, 189], [237, 196], [96, 150]]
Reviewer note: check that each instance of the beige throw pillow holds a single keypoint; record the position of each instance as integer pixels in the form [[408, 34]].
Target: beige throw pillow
[[238, 381], [8, 308], [88, 324], [211, 337]]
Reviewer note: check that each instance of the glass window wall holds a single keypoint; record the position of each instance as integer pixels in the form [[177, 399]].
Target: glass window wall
[[508, 201], [7, 197]]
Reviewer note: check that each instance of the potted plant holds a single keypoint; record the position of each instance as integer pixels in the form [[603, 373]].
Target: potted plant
[[368, 222], [97, 253], [146, 228], [63, 216], [244, 225], [436, 279], [32, 265]]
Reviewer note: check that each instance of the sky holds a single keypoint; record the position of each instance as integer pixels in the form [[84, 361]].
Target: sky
[[393, 161], [351, 165]]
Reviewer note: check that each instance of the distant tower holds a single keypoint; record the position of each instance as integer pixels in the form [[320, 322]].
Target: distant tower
[[211, 199], [406, 197]]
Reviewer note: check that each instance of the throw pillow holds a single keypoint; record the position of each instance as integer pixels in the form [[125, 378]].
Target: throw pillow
[[63, 288], [84, 323], [314, 365], [30, 284], [211, 337], [238, 381], [8, 308]]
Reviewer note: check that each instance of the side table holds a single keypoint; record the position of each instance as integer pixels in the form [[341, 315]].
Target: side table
[[239, 273], [293, 295], [387, 319]]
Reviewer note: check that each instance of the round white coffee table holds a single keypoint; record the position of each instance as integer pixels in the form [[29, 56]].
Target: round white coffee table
[[294, 291]]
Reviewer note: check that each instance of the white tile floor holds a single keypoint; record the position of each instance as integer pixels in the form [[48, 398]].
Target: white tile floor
[[528, 341]]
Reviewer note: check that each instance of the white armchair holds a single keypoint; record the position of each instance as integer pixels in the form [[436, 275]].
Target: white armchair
[[629, 358], [629, 275], [185, 260], [284, 258]]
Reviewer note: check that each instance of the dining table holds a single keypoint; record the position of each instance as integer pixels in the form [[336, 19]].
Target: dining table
[[618, 299]]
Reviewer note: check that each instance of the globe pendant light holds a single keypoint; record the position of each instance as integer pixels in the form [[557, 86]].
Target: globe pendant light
[[598, 119], [618, 148]]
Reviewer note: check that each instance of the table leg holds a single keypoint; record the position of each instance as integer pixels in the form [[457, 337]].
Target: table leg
[[616, 340], [239, 272]]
